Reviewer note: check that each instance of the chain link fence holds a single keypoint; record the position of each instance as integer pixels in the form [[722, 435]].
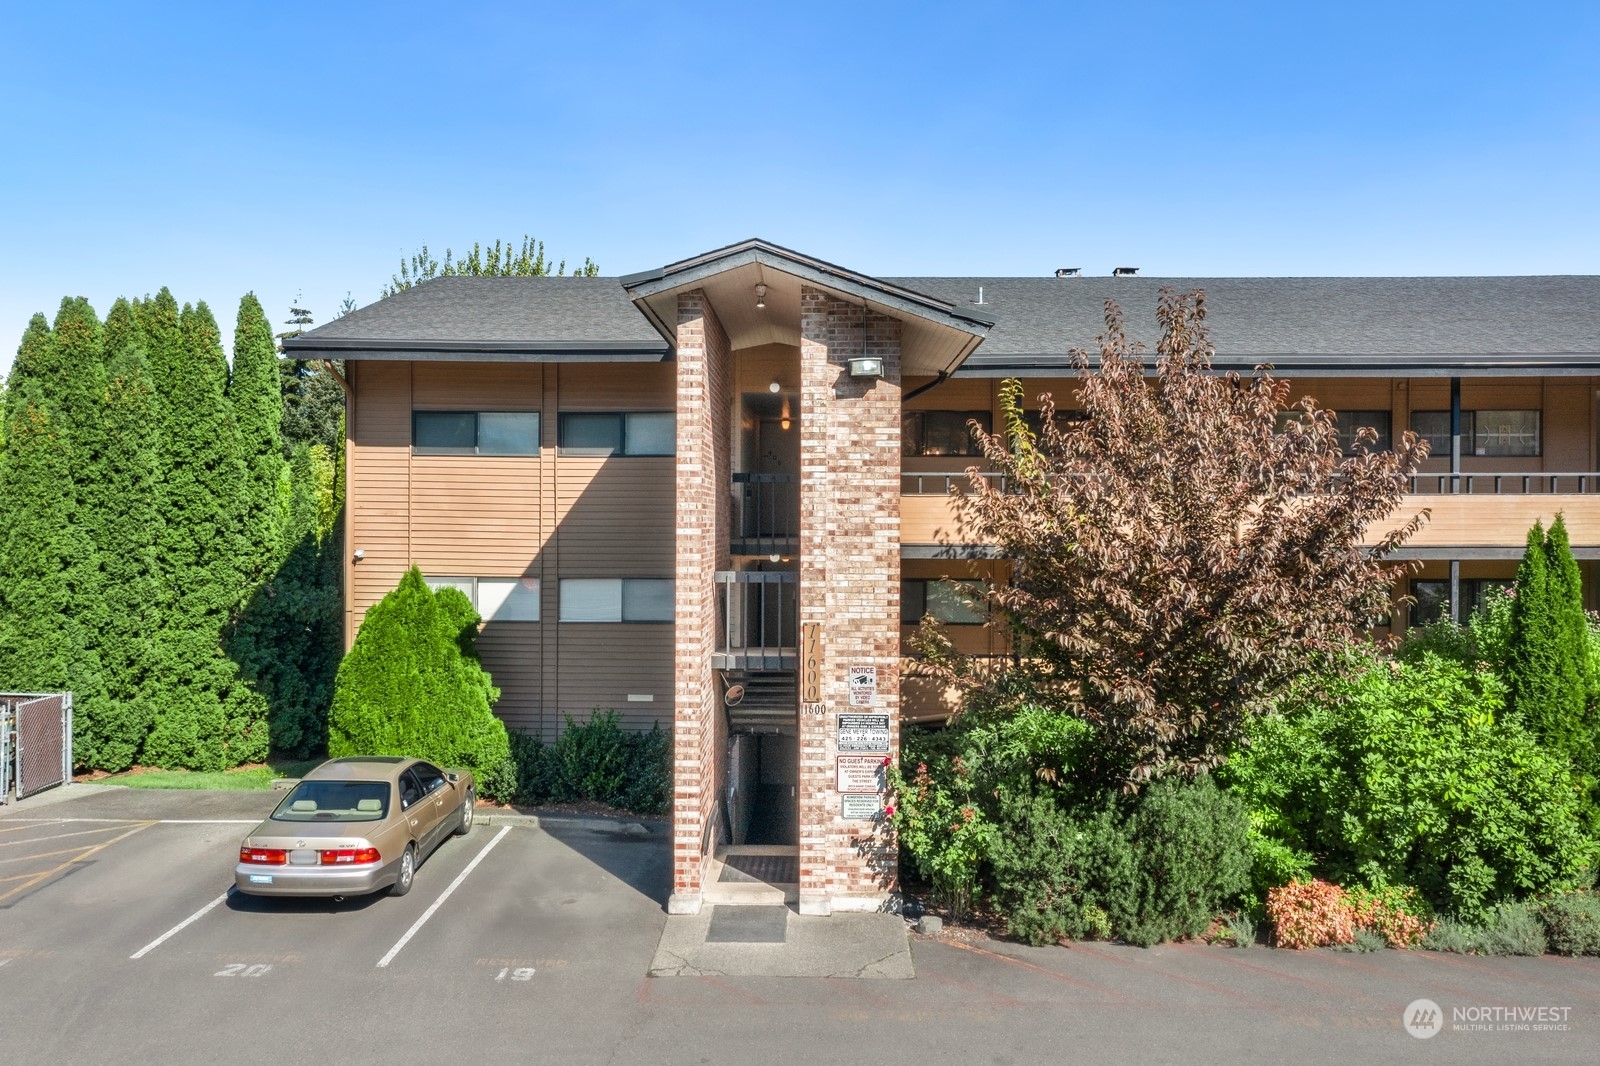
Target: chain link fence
[[35, 742]]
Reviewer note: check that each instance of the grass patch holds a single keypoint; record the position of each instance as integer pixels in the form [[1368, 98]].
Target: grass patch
[[244, 779]]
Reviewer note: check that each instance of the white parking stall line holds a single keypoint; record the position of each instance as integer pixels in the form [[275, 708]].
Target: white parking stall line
[[462, 876], [180, 927]]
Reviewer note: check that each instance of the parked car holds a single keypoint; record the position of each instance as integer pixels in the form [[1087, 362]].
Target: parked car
[[354, 826]]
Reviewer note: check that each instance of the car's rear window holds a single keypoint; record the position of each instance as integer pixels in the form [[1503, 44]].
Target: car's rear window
[[335, 801]]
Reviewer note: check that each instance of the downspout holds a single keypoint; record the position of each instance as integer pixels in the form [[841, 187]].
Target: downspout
[[944, 375]]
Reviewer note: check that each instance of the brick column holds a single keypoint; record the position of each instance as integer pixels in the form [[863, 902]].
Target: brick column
[[849, 582], [703, 409]]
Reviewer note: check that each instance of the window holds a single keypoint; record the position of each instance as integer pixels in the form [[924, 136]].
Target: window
[[956, 603], [1350, 422], [616, 599], [941, 432], [1433, 595], [475, 432], [496, 599], [632, 433], [1486, 433], [1034, 420]]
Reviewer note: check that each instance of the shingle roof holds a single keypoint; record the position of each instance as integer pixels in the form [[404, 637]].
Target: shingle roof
[[1305, 326], [1327, 325], [546, 317]]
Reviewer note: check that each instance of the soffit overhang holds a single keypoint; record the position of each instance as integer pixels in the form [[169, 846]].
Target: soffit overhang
[[936, 336]]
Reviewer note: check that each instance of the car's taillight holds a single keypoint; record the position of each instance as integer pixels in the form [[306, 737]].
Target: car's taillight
[[264, 856], [349, 855]]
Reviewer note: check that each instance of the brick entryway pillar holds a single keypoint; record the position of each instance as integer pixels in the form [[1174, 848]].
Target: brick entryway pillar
[[849, 583]]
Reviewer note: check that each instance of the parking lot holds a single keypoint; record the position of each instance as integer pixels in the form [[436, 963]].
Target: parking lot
[[120, 938]]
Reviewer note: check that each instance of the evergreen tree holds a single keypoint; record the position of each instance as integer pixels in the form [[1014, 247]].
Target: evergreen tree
[[209, 717], [413, 685], [126, 525], [313, 402], [258, 410], [29, 352], [41, 643], [1547, 658], [290, 637]]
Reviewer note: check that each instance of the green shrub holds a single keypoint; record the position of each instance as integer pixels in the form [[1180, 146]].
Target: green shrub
[[1363, 942], [413, 685], [1158, 866], [591, 761], [1510, 929], [1513, 929], [1572, 923], [647, 784], [1413, 774], [586, 766]]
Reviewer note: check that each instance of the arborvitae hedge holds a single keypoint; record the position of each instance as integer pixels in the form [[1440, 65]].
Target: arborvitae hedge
[[209, 717], [1548, 667], [258, 410], [413, 685], [127, 525]]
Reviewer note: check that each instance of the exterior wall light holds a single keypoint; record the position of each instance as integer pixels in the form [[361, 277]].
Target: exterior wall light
[[869, 367], [358, 555]]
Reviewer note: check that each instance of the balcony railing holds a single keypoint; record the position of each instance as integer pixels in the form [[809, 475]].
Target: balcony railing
[[941, 483], [758, 620], [766, 514]]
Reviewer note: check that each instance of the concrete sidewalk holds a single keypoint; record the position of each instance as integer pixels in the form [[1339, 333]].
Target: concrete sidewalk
[[744, 941]]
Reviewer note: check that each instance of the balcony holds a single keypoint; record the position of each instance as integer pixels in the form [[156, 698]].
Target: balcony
[[758, 620], [1473, 515], [766, 514]]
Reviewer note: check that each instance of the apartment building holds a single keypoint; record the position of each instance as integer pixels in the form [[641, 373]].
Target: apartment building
[[715, 496]]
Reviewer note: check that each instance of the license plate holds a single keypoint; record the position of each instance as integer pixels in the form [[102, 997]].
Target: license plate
[[261, 879], [303, 857]]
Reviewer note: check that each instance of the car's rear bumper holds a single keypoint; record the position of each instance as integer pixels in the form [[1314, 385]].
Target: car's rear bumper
[[258, 880]]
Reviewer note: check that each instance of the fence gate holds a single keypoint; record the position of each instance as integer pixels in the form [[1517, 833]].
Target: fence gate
[[41, 740], [5, 753]]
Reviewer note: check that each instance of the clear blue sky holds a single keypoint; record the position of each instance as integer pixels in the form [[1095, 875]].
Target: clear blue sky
[[308, 147]]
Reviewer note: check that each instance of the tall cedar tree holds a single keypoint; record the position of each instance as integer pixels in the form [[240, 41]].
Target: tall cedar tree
[[208, 717], [1177, 558], [127, 526], [291, 634], [49, 571], [413, 685], [1548, 658], [496, 260], [257, 403], [72, 383], [313, 402]]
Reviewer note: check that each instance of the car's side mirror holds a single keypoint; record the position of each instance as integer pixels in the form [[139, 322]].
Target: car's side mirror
[[454, 778]]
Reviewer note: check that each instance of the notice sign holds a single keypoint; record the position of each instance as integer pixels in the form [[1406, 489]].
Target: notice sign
[[861, 774], [864, 732], [863, 686], [860, 808]]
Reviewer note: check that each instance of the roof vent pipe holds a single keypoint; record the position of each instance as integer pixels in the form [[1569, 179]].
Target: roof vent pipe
[[1069, 272], [1125, 272]]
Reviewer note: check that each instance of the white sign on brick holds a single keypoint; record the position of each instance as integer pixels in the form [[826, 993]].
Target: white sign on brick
[[863, 686], [861, 774]]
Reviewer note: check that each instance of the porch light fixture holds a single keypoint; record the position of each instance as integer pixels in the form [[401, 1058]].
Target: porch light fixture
[[869, 367], [774, 387], [761, 298]]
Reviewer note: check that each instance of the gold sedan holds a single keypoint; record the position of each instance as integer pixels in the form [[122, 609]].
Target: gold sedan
[[354, 826]]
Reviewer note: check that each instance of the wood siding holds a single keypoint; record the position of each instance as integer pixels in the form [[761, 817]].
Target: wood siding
[[540, 516]]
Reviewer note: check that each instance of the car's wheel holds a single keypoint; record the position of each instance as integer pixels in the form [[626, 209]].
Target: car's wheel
[[467, 813], [408, 872]]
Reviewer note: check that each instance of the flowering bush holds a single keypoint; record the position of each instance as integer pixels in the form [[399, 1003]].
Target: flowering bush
[[1398, 914], [939, 821], [1311, 914]]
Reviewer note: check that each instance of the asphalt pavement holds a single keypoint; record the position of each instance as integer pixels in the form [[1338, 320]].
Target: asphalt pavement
[[120, 939]]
